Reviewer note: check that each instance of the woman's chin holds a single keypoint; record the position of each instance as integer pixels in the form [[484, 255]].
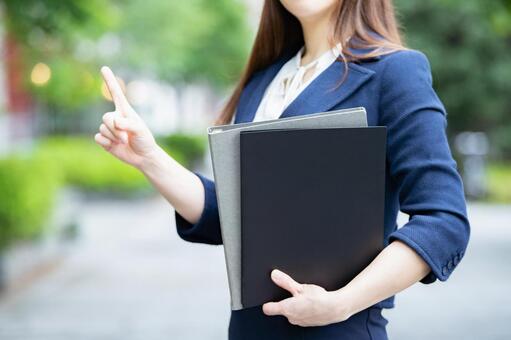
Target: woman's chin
[[306, 10]]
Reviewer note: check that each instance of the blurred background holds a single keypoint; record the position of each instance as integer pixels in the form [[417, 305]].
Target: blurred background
[[89, 251]]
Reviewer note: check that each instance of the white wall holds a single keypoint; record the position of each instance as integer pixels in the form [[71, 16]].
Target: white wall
[[188, 108]]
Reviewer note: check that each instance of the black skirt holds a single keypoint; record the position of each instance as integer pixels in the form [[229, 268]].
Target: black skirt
[[252, 324]]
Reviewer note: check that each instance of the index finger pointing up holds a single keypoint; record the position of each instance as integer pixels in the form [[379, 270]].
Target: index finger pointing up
[[120, 101]]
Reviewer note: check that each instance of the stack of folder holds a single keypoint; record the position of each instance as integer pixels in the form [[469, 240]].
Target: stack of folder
[[301, 194]]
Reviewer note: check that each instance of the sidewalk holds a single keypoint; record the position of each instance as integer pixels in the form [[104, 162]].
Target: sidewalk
[[131, 277]]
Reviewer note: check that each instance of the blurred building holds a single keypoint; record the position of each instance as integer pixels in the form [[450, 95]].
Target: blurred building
[[15, 102], [167, 108], [3, 129]]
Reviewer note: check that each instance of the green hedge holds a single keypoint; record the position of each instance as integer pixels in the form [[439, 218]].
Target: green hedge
[[28, 185], [186, 149], [86, 166], [27, 190], [499, 182]]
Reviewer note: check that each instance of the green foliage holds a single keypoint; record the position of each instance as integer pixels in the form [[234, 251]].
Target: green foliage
[[471, 61], [85, 165], [72, 85], [27, 188], [186, 40], [49, 31], [499, 182], [28, 185], [499, 13], [55, 20], [175, 40], [186, 149]]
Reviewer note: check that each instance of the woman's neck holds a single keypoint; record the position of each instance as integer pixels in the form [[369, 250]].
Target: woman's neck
[[315, 35]]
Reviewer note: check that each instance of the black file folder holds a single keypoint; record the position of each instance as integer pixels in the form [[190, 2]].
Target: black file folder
[[312, 205]]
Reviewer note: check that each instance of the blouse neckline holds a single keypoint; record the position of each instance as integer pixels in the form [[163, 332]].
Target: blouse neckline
[[288, 83]]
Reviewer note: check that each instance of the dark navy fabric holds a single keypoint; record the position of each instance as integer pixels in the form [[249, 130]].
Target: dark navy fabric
[[422, 178], [253, 324]]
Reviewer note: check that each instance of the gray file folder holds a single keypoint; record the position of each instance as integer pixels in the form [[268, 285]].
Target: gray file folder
[[224, 142]]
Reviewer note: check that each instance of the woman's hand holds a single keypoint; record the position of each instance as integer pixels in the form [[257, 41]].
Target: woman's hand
[[396, 267], [310, 305], [123, 133]]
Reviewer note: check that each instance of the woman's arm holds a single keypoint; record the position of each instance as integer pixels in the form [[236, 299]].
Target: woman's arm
[[396, 268], [433, 241], [125, 135], [194, 197], [179, 186]]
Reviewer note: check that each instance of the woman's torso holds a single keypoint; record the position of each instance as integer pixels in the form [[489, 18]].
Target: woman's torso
[[361, 88]]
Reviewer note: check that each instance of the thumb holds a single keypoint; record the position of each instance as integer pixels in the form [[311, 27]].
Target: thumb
[[286, 282], [128, 124]]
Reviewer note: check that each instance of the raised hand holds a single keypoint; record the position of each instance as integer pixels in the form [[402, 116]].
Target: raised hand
[[123, 133]]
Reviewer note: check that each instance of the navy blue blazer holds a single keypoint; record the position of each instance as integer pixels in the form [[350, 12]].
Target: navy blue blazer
[[421, 176]]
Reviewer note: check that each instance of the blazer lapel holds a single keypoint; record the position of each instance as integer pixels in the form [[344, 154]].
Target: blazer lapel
[[255, 99], [320, 95], [324, 92]]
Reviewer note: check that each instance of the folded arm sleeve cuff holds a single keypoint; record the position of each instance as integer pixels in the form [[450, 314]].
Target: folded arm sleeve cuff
[[207, 228]]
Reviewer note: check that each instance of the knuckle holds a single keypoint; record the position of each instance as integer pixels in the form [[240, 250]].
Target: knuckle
[[121, 120], [293, 321], [105, 132], [107, 117], [300, 287], [289, 306]]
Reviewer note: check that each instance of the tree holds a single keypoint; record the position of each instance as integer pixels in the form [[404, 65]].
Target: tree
[[469, 50], [186, 40], [175, 40], [48, 32]]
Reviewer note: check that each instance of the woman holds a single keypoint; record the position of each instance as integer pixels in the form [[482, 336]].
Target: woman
[[314, 56]]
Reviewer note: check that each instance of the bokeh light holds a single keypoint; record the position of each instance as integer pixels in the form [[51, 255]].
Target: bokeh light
[[41, 74]]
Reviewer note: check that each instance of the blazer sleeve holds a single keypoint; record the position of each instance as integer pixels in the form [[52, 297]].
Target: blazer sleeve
[[207, 228], [421, 165]]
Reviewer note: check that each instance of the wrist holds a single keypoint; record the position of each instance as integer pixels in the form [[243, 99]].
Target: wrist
[[343, 305], [153, 161]]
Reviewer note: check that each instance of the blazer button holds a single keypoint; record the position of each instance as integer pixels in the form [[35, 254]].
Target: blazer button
[[450, 265], [456, 260], [444, 270]]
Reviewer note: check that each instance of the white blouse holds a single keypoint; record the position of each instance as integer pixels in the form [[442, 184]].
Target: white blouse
[[289, 83]]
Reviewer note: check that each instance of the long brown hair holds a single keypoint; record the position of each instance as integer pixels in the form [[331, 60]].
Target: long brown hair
[[359, 24]]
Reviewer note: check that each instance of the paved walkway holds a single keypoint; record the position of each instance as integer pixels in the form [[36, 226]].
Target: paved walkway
[[130, 277]]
